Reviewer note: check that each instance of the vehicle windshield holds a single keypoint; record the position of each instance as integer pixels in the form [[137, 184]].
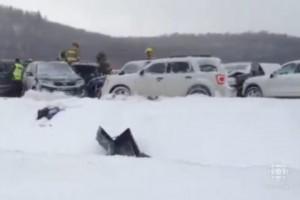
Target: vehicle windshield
[[131, 68], [269, 68], [48, 70]]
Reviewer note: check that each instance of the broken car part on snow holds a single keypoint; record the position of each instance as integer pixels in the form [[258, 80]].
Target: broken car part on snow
[[48, 112], [124, 144]]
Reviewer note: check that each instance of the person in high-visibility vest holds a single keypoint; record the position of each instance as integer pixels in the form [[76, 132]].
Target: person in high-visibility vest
[[17, 77], [72, 55]]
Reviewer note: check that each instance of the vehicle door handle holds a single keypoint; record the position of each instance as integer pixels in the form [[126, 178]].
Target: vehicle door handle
[[159, 79], [188, 77]]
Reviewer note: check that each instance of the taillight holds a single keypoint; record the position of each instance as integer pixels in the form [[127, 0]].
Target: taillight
[[220, 78]]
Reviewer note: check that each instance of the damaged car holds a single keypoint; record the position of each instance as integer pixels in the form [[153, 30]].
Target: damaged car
[[53, 76], [283, 83], [92, 77], [239, 72], [7, 86]]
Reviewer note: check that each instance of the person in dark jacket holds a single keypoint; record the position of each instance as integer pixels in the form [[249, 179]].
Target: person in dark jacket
[[104, 66]]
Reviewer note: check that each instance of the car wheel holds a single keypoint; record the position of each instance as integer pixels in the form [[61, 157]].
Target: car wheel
[[98, 93], [82, 93], [253, 91], [121, 90], [199, 90]]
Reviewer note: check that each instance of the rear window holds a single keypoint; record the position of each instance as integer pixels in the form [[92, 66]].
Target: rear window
[[158, 68], [208, 68]]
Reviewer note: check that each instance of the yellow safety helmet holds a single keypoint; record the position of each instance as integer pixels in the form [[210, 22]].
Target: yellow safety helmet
[[149, 50]]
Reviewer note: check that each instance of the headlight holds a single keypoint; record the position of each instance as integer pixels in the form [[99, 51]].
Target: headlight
[[80, 82]]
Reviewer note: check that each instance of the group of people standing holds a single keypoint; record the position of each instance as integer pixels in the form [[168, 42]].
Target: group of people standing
[[72, 55]]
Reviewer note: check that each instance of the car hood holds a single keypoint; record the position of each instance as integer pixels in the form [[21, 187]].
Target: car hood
[[60, 78], [124, 76], [258, 79]]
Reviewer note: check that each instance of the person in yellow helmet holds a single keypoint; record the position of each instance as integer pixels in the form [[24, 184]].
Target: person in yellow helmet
[[149, 53], [72, 55]]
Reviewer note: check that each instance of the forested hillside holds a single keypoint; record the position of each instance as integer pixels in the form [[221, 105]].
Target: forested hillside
[[28, 34]]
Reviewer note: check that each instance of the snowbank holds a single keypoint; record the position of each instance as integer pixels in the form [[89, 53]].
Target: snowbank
[[216, 148]]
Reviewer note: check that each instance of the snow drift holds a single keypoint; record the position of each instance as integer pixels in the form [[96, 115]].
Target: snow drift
[[201, 148]]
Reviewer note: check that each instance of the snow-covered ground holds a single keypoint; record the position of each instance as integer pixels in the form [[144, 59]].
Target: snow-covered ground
[[201, 148]]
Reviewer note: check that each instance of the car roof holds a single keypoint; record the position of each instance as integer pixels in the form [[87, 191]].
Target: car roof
[[187, 58], [50, 62], [200, 60], [294, 61]]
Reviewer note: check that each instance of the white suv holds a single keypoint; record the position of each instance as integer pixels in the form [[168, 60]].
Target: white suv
[[177, 76], [284, 82]]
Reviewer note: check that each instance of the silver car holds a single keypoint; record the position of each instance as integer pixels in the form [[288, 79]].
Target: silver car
[[175, 76], [52, 76], [284, 82]]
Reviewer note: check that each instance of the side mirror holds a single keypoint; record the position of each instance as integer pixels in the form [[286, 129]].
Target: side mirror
[[122, 73], [273, 75], [142, 73]]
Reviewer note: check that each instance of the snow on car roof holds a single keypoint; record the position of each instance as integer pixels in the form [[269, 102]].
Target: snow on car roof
[[294, 61], [187, 58], [204, 60]]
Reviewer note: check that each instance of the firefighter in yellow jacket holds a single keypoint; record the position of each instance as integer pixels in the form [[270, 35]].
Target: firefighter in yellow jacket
[[17, 77], [72, 55], [149, 53]]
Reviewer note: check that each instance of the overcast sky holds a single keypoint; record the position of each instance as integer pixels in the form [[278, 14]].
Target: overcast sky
[[156, 17]]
